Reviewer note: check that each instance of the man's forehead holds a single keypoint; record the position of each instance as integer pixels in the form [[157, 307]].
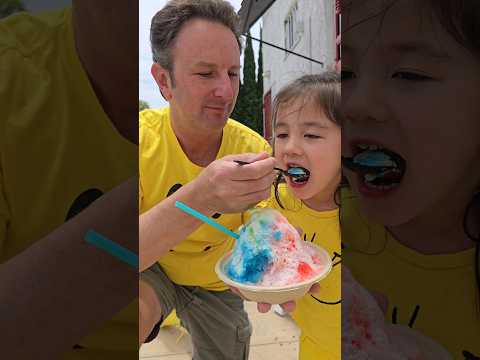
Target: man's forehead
[[205, 64], [198, 28], [200, 39]]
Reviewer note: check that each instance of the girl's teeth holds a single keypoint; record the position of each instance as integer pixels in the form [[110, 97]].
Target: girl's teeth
[[369, 147]]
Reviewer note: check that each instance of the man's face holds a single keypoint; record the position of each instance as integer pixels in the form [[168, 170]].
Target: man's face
[[206, 65]]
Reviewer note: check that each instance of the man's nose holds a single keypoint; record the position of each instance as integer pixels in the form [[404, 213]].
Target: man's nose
[[225, 88]]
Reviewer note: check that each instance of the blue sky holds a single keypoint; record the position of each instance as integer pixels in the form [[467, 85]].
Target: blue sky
[[148, 90]]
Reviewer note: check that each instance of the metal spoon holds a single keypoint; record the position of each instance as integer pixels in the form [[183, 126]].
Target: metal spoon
[[294, 172]]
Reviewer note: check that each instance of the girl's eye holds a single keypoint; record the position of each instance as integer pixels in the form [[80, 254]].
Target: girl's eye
[[312, 136], [410, 76], [281, 136], [347, 75]]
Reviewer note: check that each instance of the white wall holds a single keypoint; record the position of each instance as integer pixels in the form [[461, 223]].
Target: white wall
[[317, 41]]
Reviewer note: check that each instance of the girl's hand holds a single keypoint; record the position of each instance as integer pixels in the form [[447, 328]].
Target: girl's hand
[[287, 307]]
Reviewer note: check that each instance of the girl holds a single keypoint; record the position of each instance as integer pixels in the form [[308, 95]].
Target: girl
[[306, 134], [411, 142]]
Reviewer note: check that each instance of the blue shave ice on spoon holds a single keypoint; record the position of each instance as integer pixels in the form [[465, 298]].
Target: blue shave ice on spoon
[[373, 159], [296, 172]]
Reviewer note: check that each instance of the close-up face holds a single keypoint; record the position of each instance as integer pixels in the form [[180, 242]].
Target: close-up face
[[305, 137], [206, 66], [411, 127]]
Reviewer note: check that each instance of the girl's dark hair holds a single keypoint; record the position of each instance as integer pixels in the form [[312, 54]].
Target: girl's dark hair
[[321, 90], [461, 19]]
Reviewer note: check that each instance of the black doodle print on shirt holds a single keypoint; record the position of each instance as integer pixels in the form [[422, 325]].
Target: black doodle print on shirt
[[412, 318], [173, 189], [469, 356], [178, 186], [335, 256], [466, 354], [82, 201]]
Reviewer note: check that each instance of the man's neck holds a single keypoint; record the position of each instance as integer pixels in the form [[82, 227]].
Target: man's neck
[[201, 147], [113, 74]]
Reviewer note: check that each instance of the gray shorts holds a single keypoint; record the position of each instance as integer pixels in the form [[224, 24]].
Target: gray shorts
[[216, 320]]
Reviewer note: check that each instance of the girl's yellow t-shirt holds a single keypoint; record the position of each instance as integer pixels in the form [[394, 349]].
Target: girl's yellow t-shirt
[[433, 294], [318, 315]]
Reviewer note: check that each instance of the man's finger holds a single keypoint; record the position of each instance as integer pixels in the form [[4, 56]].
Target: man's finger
[[254, 171], [248, 157]]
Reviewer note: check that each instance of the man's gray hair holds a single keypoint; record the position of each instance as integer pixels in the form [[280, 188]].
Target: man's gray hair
[[167, 23]]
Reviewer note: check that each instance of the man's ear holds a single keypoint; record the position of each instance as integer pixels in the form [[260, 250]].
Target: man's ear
[[163, 80]]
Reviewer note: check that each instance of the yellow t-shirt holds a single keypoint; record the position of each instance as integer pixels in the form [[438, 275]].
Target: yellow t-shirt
[[435, 294], [164, 168], [318, 315], [58, 151]]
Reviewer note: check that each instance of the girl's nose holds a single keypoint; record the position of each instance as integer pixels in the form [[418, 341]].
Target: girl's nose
[[363, 101], [293, 146]]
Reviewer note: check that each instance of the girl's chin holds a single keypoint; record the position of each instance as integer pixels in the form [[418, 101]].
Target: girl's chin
[[301, 191]]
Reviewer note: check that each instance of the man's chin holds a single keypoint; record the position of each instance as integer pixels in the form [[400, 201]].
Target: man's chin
[[215, 121]]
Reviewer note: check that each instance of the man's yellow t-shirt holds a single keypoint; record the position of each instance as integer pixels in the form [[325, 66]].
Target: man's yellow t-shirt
[[58, 152], [434, 294], [318, 315], [164, 168]]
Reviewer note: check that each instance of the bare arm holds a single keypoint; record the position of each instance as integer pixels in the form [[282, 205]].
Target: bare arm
[[223, 187], [61, 288]]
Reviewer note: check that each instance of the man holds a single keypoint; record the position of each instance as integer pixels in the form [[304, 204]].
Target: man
[[186, 154], [68, 84]]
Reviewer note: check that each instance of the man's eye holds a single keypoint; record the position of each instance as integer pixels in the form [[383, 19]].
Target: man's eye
[[233, 74], [208, 74], [347, 75], [411, 76], [312, 136]]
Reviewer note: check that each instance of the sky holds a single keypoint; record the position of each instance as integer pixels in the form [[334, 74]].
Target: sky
[[148, 90]]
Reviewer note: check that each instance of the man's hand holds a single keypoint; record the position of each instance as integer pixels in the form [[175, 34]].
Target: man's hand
[[227, 187]]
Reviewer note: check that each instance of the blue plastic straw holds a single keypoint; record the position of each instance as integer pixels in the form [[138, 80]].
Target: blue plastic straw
[[118, 251], [205, 219]]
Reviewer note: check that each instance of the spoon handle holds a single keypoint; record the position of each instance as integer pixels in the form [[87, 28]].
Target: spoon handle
[[240, 162]]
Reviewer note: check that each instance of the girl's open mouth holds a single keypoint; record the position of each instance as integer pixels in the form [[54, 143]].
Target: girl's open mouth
[[379, 168], [297, 174]]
